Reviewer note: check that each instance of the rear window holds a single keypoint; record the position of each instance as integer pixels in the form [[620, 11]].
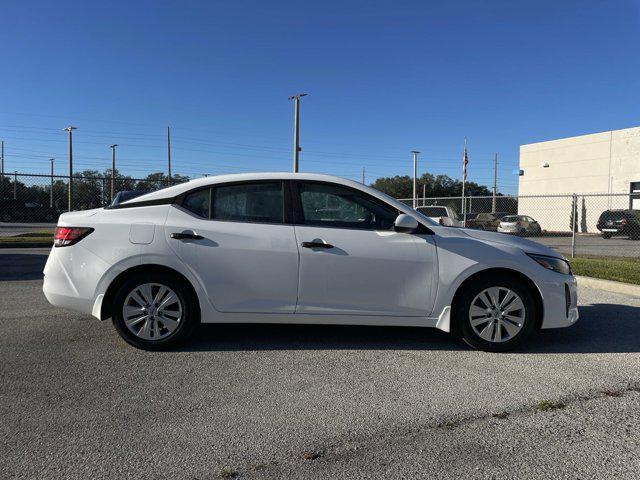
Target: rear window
[[511, 218], [615, 215], [433, 211]]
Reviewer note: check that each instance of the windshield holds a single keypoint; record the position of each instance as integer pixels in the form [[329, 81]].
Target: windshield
[[433, 211]]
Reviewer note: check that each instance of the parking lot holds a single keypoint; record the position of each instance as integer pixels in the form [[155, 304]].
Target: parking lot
[[312, 401]]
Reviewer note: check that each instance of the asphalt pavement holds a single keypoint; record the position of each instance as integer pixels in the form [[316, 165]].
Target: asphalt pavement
[[312, 401]]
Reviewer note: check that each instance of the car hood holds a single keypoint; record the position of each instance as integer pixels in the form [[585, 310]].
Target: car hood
[[493, 238]]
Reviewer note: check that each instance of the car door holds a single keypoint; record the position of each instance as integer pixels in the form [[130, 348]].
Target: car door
[[351, 259], [234, 238]]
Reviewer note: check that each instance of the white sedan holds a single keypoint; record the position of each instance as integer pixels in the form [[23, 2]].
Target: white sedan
[[299, 248]]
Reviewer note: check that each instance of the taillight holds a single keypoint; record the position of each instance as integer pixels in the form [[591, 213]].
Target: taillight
[[623, 221], [66, 236]]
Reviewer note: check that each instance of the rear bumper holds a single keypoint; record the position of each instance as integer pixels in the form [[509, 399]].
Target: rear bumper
[[71, 276]]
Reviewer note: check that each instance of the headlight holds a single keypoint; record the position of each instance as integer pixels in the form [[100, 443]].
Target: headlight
[[552, 263]]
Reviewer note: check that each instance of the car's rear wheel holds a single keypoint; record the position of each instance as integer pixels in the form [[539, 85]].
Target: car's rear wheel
[[495, 314], [6, 217], [154, 313]]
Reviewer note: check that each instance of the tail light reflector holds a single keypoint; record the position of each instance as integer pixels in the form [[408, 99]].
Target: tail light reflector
[[66, 236]]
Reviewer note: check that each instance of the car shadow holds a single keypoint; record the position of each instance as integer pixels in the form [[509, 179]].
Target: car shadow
[[602, 328], [21, 266]]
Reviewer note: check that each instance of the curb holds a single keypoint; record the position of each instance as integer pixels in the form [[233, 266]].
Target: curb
[[609, 286], [26, 245]]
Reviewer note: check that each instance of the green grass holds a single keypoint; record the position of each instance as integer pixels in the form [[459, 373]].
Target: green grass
[[29, 237], [608, 268], [548, 406]]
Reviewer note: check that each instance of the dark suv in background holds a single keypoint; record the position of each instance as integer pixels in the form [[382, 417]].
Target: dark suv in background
[[20, 211], [620, 223]]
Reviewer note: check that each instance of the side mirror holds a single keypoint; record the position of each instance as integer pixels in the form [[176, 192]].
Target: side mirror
[[405, 224]]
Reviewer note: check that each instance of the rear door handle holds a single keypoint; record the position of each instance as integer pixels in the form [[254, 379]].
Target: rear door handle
[[186, 236], [316, 245]]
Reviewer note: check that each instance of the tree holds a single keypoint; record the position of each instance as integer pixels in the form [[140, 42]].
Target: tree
[[434, 186]]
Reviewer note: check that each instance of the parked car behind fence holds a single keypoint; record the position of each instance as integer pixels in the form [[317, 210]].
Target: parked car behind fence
[[21, 211], [620, 223], [519, 225]]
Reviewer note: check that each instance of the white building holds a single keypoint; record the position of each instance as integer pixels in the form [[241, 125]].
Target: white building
[[599, 163]]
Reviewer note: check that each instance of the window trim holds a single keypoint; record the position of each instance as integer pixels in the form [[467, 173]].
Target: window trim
[[298, 213]]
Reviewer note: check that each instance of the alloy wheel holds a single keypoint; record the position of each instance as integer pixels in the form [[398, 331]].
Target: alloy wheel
[[497, 314], [152, 311]]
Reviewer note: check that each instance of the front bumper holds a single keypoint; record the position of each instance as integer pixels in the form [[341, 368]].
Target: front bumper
[[560, 299]]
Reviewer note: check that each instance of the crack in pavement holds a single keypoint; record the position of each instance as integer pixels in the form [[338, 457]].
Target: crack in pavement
[[338, 451]]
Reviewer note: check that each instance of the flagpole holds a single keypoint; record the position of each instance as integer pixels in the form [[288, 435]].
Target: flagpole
[[464, 179]]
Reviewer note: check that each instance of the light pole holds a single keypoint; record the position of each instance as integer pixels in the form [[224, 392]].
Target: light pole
[[168, 157], [415, 174], [1, 168], [15, 185], [495, 182], [296, 129], [51, 187], [113, 168], [70, 189]]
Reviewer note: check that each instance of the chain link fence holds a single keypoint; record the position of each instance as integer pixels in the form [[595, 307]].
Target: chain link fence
[[30, 204], [575, 225], [604, 225]]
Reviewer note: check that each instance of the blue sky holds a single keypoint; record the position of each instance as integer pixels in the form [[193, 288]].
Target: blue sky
[[384, 77]]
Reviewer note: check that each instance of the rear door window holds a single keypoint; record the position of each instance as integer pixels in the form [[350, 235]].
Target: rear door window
[[258, 202]]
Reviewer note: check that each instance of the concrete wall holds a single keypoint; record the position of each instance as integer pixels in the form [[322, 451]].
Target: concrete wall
[[599, 163]]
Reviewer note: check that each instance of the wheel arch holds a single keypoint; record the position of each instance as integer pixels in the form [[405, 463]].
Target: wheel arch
[[147, 269], [491, 272]]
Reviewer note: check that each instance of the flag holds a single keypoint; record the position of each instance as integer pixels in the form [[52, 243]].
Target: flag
[[465, 160]]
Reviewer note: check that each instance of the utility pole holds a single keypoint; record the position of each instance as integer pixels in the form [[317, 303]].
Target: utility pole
[[296, 129], [424, 194], [495, 182], [113, 168], [2, 168], [70, 189], [363, 174], [169, 155], [415, 174], [51, 187], [15, 185]]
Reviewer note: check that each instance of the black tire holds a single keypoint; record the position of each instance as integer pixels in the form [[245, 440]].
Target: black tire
[[606, 236], [522, 232], [462, 305], [6, 217], [189, 303]]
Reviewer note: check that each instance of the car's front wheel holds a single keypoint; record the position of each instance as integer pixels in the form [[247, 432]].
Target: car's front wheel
[[495, 314], [154, 313]]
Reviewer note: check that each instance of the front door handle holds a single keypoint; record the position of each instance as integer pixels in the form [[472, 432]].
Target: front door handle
[[186, 236], [316, 245]]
